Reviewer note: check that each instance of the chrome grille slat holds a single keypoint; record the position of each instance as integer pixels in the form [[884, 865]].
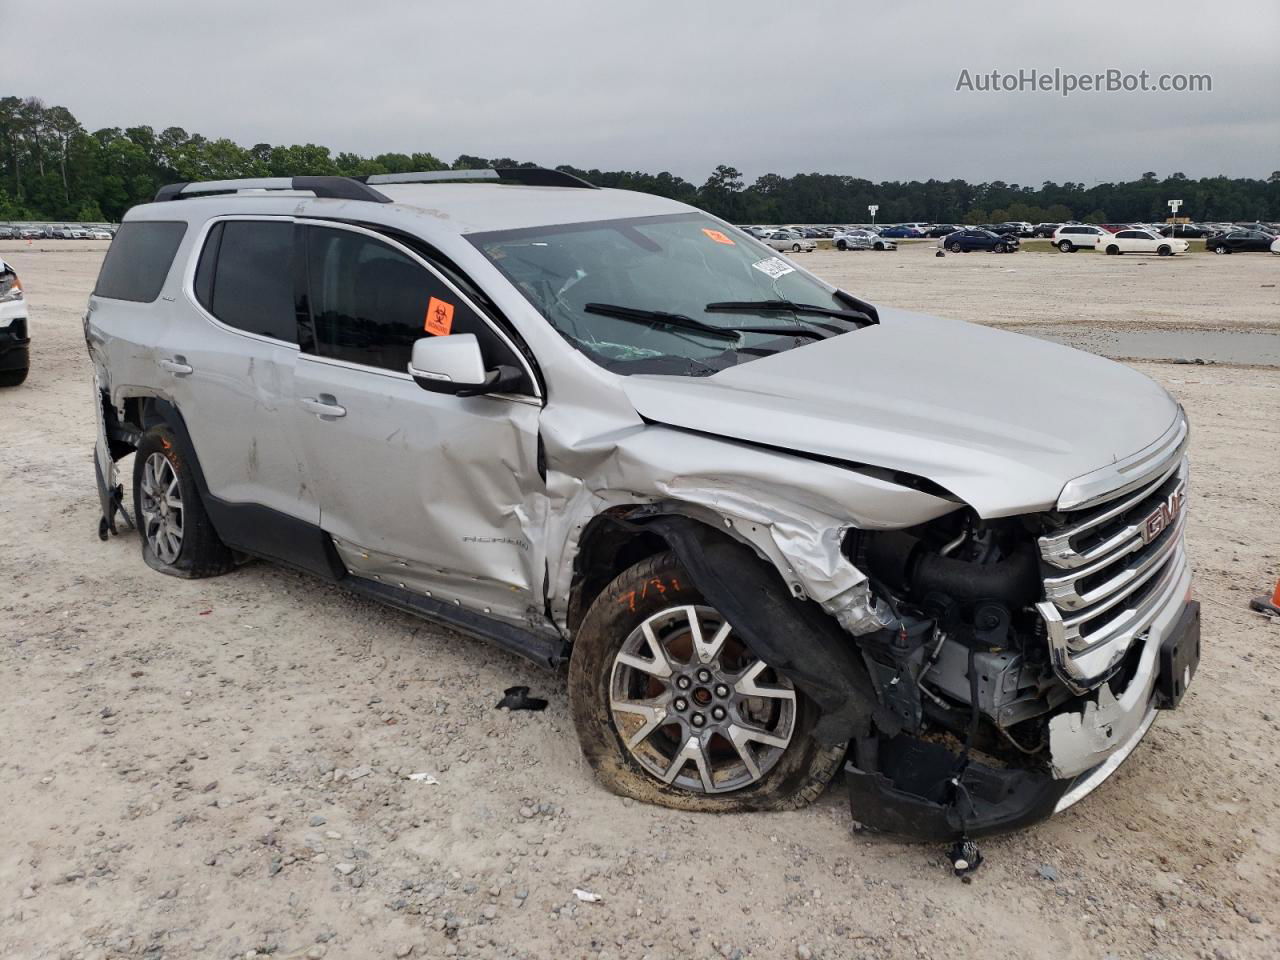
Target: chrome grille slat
[[1058, 549], [1100, 596], [1066, 595]]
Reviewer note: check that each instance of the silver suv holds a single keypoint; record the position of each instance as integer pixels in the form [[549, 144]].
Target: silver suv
[[771, 528]]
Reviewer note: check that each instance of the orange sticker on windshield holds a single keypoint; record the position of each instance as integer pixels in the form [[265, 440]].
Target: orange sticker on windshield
[[717, 236], [439, 318]]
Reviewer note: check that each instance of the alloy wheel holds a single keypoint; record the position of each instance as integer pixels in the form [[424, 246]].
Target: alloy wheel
[[695, 707], [161, 508]]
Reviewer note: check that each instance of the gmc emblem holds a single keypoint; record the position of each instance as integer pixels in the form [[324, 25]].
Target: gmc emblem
[[1162, 518]]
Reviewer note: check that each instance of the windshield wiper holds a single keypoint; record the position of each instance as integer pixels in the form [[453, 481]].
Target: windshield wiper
[[677, 320], [680, 321], [770, 306]]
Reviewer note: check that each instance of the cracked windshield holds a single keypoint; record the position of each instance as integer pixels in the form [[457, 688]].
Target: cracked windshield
[[681, 295]]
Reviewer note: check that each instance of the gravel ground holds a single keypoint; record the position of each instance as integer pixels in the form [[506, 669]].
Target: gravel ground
[[225, 768]]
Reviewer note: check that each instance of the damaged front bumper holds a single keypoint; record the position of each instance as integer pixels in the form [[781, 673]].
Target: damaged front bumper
[[927, 791]]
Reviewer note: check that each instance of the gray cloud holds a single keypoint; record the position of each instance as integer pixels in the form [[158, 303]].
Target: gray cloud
[[835, 87]]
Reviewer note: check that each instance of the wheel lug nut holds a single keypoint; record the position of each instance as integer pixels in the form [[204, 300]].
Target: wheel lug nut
[[721, 690], [704, 676], [697, 720], [683, 683], [718, 713], [681, 703]]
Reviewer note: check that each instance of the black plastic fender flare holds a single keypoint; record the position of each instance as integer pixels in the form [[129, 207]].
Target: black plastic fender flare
[[797, 637]]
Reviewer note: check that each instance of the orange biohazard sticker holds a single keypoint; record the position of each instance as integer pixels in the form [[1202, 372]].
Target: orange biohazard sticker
[[439, 318], [717, 236]]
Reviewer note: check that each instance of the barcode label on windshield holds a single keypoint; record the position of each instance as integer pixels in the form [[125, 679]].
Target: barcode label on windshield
[[774, 267]]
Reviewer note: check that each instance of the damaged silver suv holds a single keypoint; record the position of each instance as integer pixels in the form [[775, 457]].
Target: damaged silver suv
[[772, 529]]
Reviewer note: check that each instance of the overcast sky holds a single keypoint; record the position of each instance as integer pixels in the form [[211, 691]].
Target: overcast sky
[[836, 87]]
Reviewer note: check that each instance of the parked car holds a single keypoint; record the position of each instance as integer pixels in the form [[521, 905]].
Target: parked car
[[943, 230], [1045, 230], [789, 240], [60, 233], [773, 530], [1239, 241], [857, 238], [967, 241], [1140, 241], [1071, 237], [902, 231], [1275, 246], [15, 336], [32, 233], [1018, 228], [1189, 231], [98, 233], [8, 233]]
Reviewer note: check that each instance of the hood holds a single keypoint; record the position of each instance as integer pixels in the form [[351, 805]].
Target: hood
[[1001, 420]]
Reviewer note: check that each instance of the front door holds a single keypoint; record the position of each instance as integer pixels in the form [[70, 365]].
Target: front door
[[432, 493]]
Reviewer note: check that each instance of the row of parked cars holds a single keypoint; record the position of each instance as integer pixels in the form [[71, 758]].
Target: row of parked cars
[[1110, 238], [56, 231]]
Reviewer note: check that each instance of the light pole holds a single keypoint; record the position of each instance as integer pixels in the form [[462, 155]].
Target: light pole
[[873, 208], [1173, 207]]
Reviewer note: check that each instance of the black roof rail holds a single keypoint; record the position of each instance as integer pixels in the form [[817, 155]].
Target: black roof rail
[[528, 176], [328, 188]]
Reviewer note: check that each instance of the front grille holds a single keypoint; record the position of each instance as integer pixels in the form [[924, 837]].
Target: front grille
[[1107, 570]]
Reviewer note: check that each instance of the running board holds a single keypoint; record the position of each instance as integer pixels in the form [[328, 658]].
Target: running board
[[544, 648]]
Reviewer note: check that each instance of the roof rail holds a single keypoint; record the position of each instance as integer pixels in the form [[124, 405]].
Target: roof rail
[[529, 176], [329, 188]]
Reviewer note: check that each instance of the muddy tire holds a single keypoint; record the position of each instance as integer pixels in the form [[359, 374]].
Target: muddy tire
[[701, 716], [177, 535]]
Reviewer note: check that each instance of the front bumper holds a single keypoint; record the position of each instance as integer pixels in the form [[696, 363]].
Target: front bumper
[[923, 790]]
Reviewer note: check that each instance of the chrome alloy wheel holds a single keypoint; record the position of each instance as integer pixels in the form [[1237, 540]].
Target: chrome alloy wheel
[[161, 508], [695, 707]]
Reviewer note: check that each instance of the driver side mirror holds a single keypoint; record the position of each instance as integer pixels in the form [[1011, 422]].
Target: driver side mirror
[[453, 364]]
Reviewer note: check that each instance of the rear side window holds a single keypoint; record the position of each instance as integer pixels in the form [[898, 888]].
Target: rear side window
[[138, 260], [245, 277], [370, 303]]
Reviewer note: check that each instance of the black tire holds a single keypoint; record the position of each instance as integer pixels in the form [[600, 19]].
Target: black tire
[[12, 378], [1066, 246], [1221, 249], [1113, 250], [200, 552], [796, 779], [841, 245], [795, 248], [954, 247], [1164, 251], [999, 248], [879, 246]]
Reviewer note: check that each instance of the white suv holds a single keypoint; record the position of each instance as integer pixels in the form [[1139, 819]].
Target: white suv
[[1070, 237], [770, 527], [15, 336]]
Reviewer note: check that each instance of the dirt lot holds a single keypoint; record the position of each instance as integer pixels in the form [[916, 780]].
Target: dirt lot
[[213, 768]]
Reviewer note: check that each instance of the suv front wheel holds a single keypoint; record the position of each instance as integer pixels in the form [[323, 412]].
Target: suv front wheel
[[672, 708], [177, 535]]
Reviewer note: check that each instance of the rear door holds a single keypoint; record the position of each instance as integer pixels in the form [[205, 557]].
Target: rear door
[[229, 364], [429, 492]]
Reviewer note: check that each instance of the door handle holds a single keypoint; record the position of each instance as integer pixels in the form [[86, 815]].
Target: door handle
[[178, 366], [323, 406]]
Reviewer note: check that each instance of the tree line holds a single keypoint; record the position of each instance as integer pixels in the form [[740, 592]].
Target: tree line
[[51, 168]]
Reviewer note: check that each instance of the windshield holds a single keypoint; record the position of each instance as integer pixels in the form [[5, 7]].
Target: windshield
[[664, 272]]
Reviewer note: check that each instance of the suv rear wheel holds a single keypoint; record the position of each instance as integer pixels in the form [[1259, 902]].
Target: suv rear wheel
[[177, 536], [672, 708]]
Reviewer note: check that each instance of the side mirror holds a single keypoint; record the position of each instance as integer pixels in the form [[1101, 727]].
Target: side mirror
[[453, 364]]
